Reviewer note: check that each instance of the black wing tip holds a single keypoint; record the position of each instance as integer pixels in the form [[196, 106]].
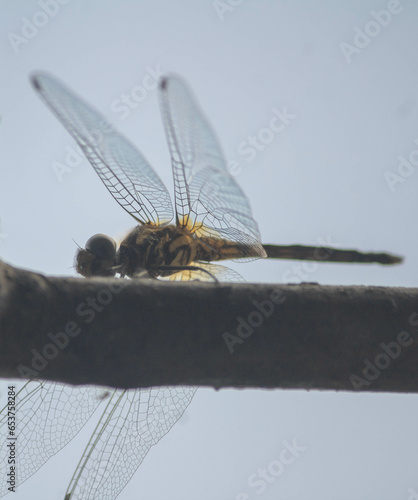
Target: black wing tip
[[36, 79], [170, 77], [164, 83]]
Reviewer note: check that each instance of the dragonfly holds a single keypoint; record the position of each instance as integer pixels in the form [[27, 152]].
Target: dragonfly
[[213, 222], [213, 218]]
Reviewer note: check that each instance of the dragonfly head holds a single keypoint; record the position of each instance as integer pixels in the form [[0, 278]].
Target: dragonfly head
[[97, 259]]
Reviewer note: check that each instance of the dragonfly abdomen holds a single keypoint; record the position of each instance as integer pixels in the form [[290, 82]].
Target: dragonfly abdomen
[[211, 249]]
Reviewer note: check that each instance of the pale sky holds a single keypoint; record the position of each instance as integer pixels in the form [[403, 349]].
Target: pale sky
[[343, 171]]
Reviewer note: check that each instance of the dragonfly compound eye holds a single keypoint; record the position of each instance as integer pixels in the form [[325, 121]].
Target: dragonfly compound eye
[[98, 258], [101, 246]]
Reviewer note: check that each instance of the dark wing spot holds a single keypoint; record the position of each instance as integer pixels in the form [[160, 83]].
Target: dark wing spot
[[35, 82]]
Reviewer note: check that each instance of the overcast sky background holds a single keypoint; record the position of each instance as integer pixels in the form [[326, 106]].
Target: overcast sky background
[[332, 174]]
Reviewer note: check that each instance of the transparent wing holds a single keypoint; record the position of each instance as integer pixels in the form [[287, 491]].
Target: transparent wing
[[48, 416], [133, 421], [205, 193], [207, 272], [123, 170]]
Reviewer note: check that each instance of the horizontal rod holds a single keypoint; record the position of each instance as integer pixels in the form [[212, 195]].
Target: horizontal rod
[[141, 333]]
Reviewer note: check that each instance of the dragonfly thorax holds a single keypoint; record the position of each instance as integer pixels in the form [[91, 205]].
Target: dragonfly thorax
[[150, 248]]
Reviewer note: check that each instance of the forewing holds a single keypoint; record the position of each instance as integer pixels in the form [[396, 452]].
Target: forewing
[[48, 416], [204, 190], [133, 421], [123, 170]]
